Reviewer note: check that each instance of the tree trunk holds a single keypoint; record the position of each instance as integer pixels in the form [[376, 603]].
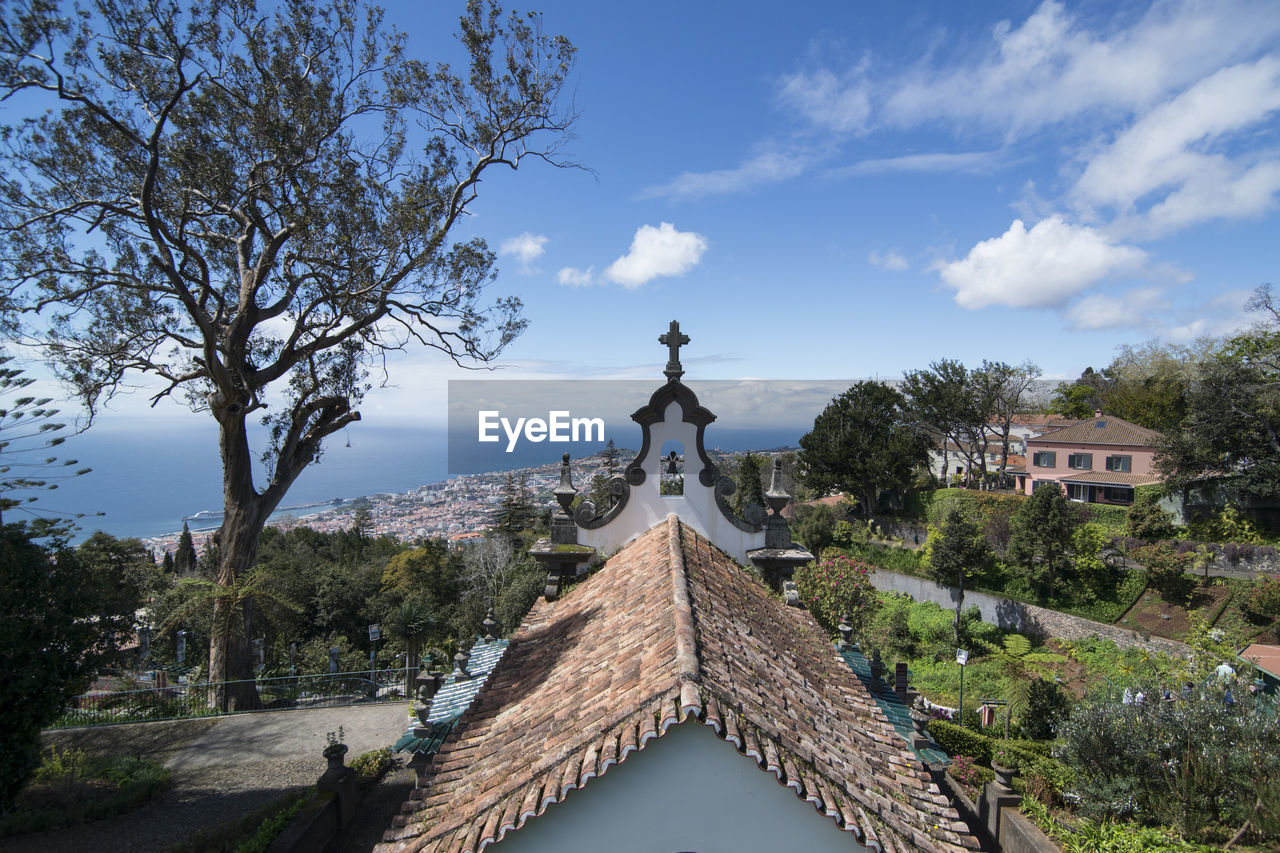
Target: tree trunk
[[244, 514]]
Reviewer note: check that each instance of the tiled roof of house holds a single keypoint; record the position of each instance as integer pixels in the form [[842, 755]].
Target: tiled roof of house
[[1110, 478], [1104, 430], [672, 631], [1263, 656], [1047, 421]]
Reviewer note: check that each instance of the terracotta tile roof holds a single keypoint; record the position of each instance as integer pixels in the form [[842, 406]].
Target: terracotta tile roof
[[1111, 478], [672, 631], [1264, 657], [1103, 430]]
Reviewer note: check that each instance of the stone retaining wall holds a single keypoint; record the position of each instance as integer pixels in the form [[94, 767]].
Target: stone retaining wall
[[1027, 619]]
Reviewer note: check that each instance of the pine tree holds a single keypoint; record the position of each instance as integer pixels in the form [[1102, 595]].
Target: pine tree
[[1041, 539], [610, 454], [750, 491], [184, 558]]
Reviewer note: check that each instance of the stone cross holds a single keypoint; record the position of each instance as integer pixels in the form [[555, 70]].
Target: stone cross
[[673, 340]]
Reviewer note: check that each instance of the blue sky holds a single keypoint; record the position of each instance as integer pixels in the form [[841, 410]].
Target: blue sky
[[849, 189], [856, 189]]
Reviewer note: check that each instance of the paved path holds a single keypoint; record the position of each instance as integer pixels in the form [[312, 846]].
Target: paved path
[[223, 769]]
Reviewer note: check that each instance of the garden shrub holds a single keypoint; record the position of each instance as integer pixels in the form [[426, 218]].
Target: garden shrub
[[135, 781], [1047, 779], [1196, 764], [1147, 520], [1106, 837], [957, 740], [1166, 569], [1046, 705], [838, 586], [814, 525], [1262, 601], [369, 766]]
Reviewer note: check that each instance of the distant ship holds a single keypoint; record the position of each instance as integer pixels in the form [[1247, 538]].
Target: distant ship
[[203, 515]]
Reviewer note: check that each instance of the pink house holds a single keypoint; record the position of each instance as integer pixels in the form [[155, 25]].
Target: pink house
[[1100, 460]]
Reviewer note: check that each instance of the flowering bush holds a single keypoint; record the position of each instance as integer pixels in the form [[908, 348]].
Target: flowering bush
[[964, 769], [837, 586]]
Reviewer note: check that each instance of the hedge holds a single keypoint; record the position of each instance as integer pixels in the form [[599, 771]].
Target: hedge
[[957, 740], [1110, 518], [978, 506]]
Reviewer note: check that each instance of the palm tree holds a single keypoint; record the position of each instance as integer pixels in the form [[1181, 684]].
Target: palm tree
[[411, 622]]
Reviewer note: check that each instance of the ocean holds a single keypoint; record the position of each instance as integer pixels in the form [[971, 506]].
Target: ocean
[[145, 482]]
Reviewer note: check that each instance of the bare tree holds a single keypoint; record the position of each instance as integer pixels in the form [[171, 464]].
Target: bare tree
[[254, 207], [487, 565], [1008, 386]]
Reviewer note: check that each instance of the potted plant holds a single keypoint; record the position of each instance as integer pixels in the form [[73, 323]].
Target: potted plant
[[1004, 765], [335, 749]]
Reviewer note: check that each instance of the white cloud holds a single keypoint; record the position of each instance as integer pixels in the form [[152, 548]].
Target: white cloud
[[841, 104], [574, 277], [889, 260], [661, 251], [1220, 316], [1159, 152], [1040, 268], [967, 161], [1128, 310], [1054, 66], [526, 247], [767, 168]]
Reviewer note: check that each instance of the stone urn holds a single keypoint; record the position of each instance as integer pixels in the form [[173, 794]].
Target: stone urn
[[335, 753], [1004, 775]]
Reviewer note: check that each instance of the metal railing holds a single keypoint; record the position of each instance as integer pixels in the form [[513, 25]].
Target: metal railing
[[176, 700]]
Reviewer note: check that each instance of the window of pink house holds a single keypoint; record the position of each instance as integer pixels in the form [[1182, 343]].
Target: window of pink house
[[1119, 463], [1082, 461]]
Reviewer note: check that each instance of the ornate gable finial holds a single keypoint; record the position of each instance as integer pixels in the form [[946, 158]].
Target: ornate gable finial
[[673, 340]]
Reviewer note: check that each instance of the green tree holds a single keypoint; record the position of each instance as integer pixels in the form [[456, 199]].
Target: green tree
[[1080, 399], [1041, 537], [61, 621], [127, 559], [1149, 383], [610, 456], [411, 624], [249, 244], [814, 526], [184, 555], [1146, 519], [863, 443], [1166, 570], [939, 405], [1232, 424], [958, 549], [515, 510], [749, 488], [1020, 666]]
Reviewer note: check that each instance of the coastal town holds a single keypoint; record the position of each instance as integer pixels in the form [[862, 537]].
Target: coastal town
[[457, 509]]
